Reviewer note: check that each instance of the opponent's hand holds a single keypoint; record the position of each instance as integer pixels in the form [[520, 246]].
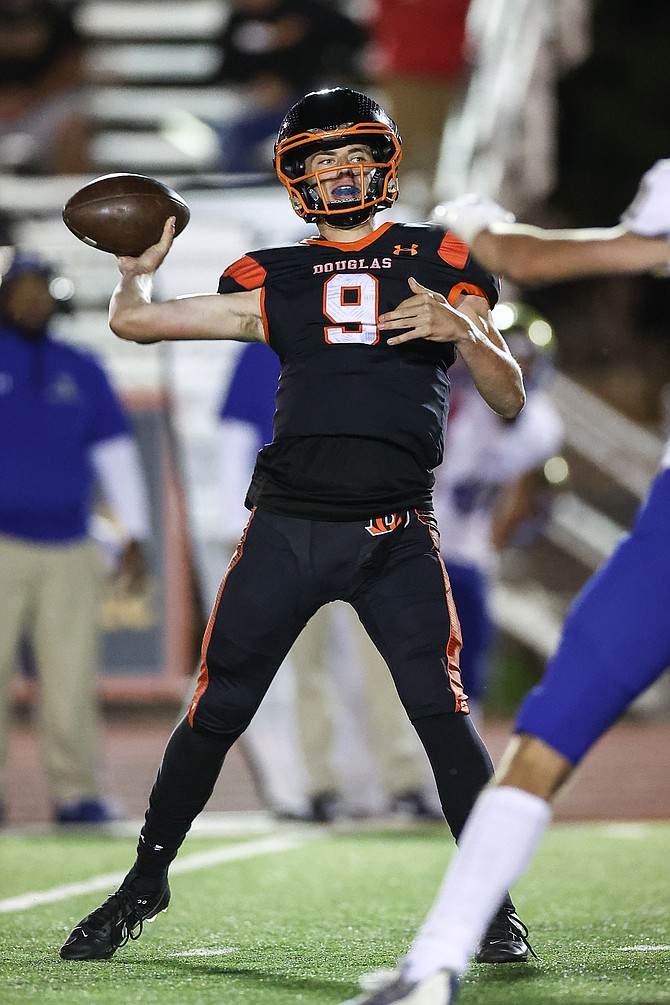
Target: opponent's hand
[[649, 212], [427, 315], [153, 257], [469, 214]]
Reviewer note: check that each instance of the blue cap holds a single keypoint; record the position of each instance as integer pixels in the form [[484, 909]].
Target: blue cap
[[26, 262]]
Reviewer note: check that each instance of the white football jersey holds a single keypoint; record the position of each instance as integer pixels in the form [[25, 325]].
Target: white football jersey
[[665, 463], [484, 453]]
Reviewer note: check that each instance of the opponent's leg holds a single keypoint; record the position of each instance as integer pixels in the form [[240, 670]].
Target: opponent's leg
[[615, 644], [495, 848]]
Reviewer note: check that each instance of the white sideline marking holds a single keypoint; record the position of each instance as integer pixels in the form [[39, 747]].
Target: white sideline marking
[[642, 949], [206, 825], [207, 952], [190, 863], [211, 824], [627, 830]]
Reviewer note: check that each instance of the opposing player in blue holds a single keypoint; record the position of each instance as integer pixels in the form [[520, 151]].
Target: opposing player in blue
[[615, 643]]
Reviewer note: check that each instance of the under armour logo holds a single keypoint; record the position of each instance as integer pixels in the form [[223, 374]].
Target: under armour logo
[[412, 250], [387, 524]]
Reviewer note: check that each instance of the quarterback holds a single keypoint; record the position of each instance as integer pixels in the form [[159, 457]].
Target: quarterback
[[340, 500]]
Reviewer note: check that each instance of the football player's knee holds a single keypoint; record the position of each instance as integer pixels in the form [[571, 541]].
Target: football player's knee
[[226, 706], [223, 718]]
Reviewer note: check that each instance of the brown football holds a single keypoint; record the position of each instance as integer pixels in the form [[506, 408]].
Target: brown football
[[123, 213]]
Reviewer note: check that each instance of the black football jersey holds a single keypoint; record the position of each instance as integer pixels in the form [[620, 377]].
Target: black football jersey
[[339, 379]]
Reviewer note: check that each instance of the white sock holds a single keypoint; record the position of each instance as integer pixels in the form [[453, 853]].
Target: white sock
[[496, 846]]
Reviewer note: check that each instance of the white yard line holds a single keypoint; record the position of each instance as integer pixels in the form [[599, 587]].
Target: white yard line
[[190, 863], [207, 952], [643, 949]]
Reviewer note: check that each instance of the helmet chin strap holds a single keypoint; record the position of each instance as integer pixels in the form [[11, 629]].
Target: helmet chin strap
[[347, 221]]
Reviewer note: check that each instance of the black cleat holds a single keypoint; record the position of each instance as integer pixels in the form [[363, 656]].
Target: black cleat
[[325, 808], [506, 940], [413, 804], [118, 920]]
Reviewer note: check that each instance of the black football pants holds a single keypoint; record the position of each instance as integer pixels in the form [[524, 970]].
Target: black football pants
[[284, 569]]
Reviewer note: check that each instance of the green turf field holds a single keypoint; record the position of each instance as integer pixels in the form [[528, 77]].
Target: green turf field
[[300, 924]]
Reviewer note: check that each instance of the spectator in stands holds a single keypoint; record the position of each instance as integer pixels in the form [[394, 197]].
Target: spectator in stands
[[419, 62], [246, 425], [60, 423], [490, 483], [277, 50], [42, 120]]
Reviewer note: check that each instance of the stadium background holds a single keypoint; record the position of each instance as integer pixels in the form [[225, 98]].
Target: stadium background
[[613, 358]]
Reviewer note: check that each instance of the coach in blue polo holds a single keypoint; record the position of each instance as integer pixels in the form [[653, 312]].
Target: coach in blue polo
[[62, 429]]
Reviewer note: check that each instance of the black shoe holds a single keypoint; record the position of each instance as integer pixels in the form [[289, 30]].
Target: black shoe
[[119, 919], [324, 808], [506, 940], [415, 805], [85, 811]]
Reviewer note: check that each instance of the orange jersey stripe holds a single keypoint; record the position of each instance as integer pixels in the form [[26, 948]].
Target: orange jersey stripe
[[455, 640], [247, 272], [467, 288], [355, 245], [453, 251], [203, 676], [264, 317], [454, 646]]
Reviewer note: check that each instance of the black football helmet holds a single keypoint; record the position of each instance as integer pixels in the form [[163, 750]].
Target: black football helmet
[[330, 118]]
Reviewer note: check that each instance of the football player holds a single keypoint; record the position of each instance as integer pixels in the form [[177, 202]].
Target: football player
[[615, 642], [341, 499]]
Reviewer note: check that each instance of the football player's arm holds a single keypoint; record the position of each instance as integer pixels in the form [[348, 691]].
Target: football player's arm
[[469, 325], [133, 316], [519, 501], [495, 373], [531, 255]]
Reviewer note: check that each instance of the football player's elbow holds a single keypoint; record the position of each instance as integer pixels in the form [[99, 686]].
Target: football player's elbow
[[513, 403], [519, 400], [128, 327]]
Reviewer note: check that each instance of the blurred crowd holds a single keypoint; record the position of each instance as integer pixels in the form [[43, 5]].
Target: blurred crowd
[[418, 55]]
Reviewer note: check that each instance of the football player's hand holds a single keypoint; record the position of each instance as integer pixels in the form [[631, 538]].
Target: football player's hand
[[649, 212], [427, 315], [153, 257], [467, 215]]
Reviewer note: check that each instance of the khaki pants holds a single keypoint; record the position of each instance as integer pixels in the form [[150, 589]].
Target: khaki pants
[[395, 747], [420, 107], [51, 595]]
